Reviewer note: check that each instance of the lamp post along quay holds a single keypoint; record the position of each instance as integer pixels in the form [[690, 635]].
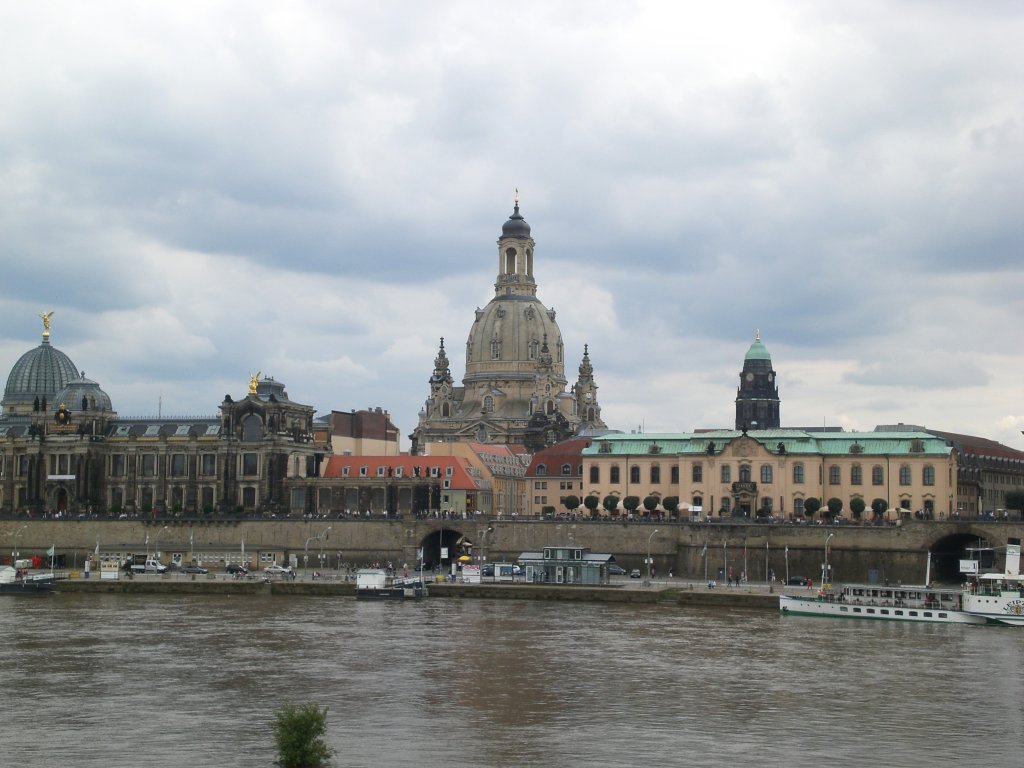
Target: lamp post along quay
[[647, 572], [824, 569]]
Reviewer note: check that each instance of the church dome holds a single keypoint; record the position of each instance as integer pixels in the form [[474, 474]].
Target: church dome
[[516, 225], [41, 372], [83, 394], [514, 335]]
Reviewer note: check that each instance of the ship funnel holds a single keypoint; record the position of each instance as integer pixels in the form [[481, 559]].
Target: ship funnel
[[1013, 557]]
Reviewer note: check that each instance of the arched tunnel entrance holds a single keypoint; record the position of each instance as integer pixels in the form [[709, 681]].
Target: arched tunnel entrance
[[443, 547], [948, 551]]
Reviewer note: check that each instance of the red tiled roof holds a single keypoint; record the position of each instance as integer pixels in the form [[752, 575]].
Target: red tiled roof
[[460, 478]]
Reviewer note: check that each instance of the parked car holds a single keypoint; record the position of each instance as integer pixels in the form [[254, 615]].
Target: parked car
[[635, 573], [488, 570], [193, 569], [236, 569], [798, 581], [614, 569], [281, 569]]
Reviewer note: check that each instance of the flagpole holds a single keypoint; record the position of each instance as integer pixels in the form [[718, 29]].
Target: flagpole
[[766, 562]]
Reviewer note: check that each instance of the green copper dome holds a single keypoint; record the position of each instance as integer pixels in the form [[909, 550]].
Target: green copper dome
[[757, 350]]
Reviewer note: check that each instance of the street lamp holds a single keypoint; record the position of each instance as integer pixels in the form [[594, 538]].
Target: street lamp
[[156, 544], [323, 538], [14, 552], [647, 572], [824, 571]]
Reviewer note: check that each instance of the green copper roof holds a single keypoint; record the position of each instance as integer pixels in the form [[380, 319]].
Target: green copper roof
[[793, 441], [757, 351]]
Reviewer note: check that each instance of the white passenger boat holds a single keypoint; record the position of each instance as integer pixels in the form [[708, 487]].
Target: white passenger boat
[[990, 598]]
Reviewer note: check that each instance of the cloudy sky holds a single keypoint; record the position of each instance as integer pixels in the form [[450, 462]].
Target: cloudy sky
[[313, 190]]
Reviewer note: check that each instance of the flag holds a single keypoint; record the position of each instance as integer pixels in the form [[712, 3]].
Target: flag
[[704, 551], [49, 552], [787, 550]]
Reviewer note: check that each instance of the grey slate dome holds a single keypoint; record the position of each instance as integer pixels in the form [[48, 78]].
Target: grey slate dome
[[516, 225], [82, 394], [41, 372]]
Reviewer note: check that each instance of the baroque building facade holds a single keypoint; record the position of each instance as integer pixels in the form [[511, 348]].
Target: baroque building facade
[[774, 472], [514, 388], [65, 451]]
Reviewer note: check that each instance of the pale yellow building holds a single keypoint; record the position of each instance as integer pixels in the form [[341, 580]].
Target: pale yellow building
[[774, 472]]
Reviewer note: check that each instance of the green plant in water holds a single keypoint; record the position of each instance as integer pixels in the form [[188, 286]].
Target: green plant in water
[[299, 731]]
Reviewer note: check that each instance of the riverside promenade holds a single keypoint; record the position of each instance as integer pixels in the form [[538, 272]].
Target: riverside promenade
[[680, 592]]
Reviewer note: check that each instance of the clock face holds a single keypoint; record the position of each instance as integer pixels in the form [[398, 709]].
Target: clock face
[[770, 377], [750, 377]]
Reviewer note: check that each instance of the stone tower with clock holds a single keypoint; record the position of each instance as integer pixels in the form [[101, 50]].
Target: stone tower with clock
[[757, 399]]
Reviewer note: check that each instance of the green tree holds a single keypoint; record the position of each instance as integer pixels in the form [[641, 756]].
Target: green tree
[[835, 507], [592, 503], [572, 503], [857, 506], [611, 504], [651, 503], [631, 503], [299, 732], [878, 507], [671, 505], [811, 507]]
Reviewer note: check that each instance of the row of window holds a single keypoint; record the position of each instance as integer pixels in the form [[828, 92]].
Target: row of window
[[382, 471], [767, 474], [566, 470]]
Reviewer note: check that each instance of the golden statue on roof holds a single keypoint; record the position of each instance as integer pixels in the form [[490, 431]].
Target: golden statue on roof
[[254, 380], [46, 323]]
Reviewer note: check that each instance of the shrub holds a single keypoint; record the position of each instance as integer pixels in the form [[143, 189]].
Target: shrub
[[671, 504], [878, 507], [835, 507], [299, 731], [811, 507], [650, 503], [611, 504], [592, 503], [631, 503], [572, 503], [857, 506]]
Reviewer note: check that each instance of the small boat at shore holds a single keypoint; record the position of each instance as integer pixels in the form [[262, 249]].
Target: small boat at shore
[[15, 582], [989, 598], [375, 584]]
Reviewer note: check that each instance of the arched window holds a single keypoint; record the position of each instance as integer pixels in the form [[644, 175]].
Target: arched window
[[496, 349], [877, 475], [252, 428], [798, 473], [766, 473], [904, 475], [488, 404], [655, 474], [534, 348], [698, 501], [697, 473], [634, 474], [835, 476], [595, 474], [674, 474], [446, 410], [798, 506], [542, 470], [566, 469], [928, 475], [614, 474], [510, 261], [550, 407], [744, 473], [856, 475]]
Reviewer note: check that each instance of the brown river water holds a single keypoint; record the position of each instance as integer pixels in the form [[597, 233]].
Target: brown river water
[[94, 680]]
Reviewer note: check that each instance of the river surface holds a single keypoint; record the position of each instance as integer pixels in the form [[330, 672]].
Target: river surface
[[155, 680]]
